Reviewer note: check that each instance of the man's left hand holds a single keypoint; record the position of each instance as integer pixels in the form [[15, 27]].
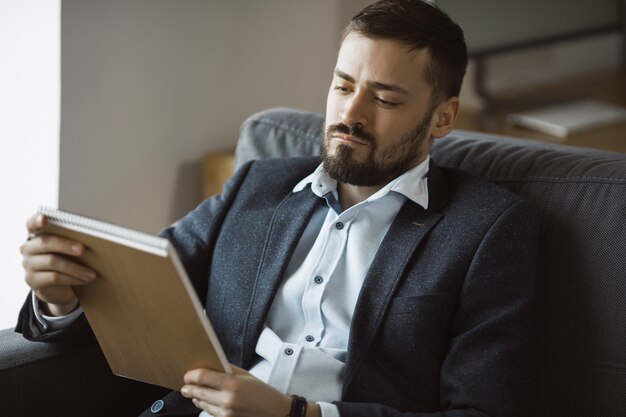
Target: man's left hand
[[237, 395]]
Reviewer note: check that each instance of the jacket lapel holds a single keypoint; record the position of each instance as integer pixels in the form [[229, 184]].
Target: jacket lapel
[[408, 229], [286, 227]]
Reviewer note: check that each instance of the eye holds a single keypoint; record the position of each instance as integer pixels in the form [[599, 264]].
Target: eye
[[342, 89], [385, 103]]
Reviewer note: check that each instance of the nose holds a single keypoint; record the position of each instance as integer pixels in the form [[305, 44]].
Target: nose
[[354, 111]]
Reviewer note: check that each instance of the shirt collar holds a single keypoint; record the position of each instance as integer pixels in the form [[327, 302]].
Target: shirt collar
[[413, 184]]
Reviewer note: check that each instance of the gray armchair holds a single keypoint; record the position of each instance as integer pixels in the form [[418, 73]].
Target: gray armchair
[[582, 195]]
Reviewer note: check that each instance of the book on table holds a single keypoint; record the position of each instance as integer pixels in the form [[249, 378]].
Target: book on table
[[142, 307], [570, 117]]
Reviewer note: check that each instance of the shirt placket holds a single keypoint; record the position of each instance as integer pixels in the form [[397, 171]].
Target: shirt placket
[[320, 277]]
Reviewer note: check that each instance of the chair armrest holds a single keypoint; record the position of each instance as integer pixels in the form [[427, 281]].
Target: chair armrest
[[39, 379]]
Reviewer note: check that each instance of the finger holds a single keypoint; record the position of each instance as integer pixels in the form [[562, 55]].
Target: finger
[[51, 244], [50, 263], [240, 371], [59, 300], [209, 408], [43, 280], [205, 377], [207, 395], [35, 223]]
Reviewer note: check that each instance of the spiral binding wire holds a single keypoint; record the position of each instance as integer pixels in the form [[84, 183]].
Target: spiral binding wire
[[65, 218]]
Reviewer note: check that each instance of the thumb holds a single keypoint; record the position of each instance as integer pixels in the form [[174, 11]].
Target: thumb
[[241, 372]]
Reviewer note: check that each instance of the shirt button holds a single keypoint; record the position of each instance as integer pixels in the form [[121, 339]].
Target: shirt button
[[318, 279], [288, 351], [309, 338], [339, 225]]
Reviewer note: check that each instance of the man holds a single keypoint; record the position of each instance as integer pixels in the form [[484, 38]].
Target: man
[[374, 284]]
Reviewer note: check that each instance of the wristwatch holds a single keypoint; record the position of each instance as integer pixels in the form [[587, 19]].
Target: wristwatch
[[298, 406]]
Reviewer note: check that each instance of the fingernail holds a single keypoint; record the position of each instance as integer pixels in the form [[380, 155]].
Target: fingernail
[[184, 391], [77, 249], [39, 220]]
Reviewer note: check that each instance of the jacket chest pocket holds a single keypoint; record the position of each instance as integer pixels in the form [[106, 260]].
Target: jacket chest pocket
[[413, 307]]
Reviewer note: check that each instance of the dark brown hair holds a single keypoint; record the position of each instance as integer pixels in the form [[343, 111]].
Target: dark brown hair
[[420, 25]]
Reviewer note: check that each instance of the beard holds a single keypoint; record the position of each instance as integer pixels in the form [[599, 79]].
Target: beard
[[379, 166]]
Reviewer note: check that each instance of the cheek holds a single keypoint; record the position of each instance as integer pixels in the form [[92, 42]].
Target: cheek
[[332, 108], [390, 132]]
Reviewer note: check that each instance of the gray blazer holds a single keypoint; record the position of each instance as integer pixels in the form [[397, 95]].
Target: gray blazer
[[444, 324]]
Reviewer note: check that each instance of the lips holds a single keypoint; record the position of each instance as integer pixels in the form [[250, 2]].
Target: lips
[[349, 138], [353, 134]]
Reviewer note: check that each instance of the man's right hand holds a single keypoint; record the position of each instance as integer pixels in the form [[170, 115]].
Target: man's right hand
[[49, 270]]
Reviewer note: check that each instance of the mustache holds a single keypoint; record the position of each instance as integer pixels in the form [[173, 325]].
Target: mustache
[[355, 130]]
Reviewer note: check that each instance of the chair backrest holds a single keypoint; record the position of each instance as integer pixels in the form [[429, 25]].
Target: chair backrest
[[582, 270]]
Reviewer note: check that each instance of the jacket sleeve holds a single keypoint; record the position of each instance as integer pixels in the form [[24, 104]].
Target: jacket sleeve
[[77, 332], [194, 235], [490, 367]]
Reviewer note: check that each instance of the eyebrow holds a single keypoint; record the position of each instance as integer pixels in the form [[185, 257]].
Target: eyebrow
[[376, 85]]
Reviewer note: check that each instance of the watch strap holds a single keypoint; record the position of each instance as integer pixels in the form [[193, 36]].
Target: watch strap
[[298, 406]]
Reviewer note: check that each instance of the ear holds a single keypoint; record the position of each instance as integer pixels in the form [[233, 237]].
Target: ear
[[444, 117]]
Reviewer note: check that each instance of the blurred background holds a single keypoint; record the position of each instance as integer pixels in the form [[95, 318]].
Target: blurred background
[[107, 108]]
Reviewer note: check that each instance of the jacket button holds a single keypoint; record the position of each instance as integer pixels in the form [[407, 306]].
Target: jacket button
[[157, 406]]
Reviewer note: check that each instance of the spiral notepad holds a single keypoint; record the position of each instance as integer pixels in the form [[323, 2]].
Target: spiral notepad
[[119, 234], [142, 308]]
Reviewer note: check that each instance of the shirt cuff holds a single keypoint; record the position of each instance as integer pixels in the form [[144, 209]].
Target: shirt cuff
[[47, 323], [328, 409]]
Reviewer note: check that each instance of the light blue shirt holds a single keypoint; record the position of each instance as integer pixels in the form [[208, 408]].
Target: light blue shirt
[[304, 343]]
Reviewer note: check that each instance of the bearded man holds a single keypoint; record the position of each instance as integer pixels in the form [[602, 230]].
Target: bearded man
[[370, 283]]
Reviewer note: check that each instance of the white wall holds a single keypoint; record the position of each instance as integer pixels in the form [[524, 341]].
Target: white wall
[[149, 86], [29, 132]]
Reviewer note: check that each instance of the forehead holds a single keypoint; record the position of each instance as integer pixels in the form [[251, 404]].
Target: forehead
[[383, 60]]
